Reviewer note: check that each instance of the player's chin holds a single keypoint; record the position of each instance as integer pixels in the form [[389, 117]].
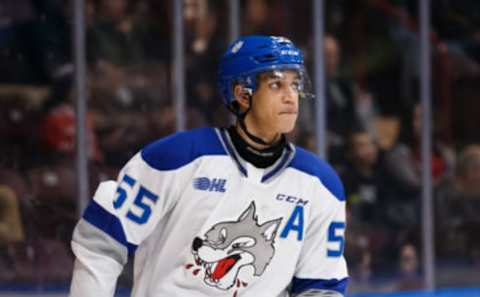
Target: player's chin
[[287, 124]]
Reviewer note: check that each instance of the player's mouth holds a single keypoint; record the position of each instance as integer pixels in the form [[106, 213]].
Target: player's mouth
[[217, 270], [288, 112]]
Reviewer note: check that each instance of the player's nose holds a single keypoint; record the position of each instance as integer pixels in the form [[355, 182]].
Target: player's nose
[[289, 95], [197, 243]]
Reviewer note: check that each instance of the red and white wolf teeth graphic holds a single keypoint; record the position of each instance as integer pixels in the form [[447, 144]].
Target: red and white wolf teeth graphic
[[223, 267], [219, 272], [228, 247]]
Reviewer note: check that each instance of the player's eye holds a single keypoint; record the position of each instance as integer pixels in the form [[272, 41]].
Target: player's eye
[[297, 86], [275, 85]]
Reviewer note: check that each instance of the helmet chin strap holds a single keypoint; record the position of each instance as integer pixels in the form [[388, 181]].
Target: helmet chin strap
[[241, 120]]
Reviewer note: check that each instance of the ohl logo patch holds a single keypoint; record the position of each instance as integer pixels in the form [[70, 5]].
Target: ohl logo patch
[[211, 185]]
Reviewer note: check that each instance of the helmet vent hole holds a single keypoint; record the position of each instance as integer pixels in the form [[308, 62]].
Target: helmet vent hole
[[266, 58]]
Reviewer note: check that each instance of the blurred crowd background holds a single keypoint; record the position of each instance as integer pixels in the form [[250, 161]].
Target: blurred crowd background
[[372, 55]]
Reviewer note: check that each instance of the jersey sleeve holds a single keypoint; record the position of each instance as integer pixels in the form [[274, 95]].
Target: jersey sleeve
[[322, 269], [99, 257], [123, 214]]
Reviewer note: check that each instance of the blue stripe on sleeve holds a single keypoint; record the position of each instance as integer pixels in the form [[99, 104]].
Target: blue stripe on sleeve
[[307, 162], [108, 223], [182, 148], [300, 285]]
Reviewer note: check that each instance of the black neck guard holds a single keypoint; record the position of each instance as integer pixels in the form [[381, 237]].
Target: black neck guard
[[259, 158]]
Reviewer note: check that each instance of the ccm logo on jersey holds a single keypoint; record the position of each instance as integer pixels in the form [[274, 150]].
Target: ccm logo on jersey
[[291, 199], [211, 185]]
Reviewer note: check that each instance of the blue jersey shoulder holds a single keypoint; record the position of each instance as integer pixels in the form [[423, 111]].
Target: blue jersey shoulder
[[309, 163], [181, 148]]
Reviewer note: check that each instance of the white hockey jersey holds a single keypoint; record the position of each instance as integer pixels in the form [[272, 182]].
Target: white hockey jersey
[[201, 221]]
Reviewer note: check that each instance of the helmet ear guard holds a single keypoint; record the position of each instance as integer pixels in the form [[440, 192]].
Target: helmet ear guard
[[234, 105], [247, 92]]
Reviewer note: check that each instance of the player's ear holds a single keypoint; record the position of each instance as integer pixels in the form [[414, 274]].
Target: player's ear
[[242, 96]]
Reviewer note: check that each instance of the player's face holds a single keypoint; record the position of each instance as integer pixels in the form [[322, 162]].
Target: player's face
[[275, 102]]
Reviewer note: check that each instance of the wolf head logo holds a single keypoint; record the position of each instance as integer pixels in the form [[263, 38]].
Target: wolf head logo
[[230, 246]]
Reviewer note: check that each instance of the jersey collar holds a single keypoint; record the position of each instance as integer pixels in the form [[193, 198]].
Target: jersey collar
[[269, 172]]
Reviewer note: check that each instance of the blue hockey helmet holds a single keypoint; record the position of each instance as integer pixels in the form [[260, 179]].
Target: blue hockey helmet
[[251, 55]]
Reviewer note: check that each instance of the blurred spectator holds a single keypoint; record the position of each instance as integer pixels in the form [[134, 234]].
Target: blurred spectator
[[114, 37], [53, 176], [371, 54], [205, 40], [18, 132], [366, 189], [57, 126], [11, 228], [363, 179], [457, 204], [409, 273], [117, 46], [468, 172], [358, 254], [15, 230], [53, 180], [258, 18], [340, 96], [128, 77], [347, 106], [59, 132], [403, 164]]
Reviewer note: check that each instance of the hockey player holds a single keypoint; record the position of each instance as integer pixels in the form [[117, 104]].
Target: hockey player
[[237, 211]]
